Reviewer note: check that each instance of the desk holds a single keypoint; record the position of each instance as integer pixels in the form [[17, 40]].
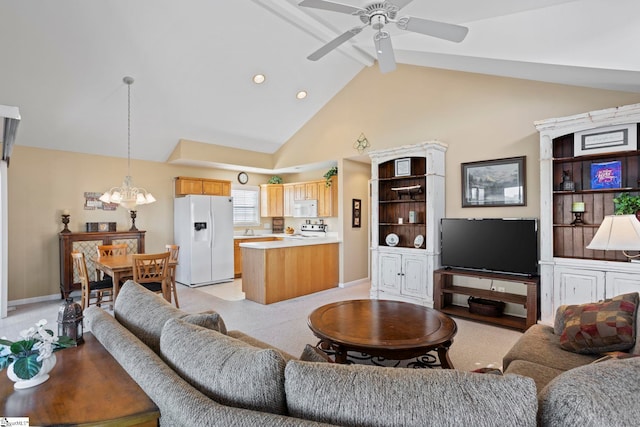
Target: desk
[[122, 266], [390, 329], [87, 386]]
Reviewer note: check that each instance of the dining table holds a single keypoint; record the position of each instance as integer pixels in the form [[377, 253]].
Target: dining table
[[121, 266]]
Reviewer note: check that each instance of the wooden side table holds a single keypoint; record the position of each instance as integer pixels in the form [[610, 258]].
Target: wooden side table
[[86, 387]]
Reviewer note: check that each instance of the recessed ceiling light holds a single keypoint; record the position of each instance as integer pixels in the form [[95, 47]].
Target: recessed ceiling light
[[259, 78], [302, 94]]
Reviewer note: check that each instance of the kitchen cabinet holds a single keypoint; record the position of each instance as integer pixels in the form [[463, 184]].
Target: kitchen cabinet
[[327, 197], [404, 269], [88, 243], [210, 187], [271, 200], [237, 253], [288, 199], [272, 274], [569, 272]]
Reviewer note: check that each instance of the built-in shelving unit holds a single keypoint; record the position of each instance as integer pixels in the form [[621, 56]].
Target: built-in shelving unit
[[569, 272], [408, 203]]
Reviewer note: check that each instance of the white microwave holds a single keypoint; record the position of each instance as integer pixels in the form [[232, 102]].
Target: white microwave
[[305, 209]]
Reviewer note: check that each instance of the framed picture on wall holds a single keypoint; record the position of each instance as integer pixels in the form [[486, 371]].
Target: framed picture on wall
[[356, 213], [493, 183]]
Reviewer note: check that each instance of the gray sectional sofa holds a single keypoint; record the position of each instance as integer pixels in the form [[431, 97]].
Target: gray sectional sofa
[[198, 373], [579, 389]]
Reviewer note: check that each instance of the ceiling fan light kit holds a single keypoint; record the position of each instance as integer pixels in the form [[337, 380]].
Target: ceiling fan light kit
[[377, 15]]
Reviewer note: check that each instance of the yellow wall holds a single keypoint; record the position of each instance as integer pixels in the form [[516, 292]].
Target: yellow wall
[[480, 117]]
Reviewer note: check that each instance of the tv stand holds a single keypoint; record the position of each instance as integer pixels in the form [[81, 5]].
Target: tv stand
[[444, 290]]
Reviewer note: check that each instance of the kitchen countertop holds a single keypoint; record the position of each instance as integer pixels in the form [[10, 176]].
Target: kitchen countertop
[[290, 241]]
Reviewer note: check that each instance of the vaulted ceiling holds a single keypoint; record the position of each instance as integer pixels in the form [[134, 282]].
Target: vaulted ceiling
[[193, 61]]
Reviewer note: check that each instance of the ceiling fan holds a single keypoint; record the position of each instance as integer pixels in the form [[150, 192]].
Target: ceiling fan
[[377, 15]]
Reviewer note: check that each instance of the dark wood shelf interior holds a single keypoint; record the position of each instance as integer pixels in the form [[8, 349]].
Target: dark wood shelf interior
[[570, 241], [394, 203]]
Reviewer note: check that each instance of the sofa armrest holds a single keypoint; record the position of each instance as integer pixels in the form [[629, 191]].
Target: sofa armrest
[[599, 394]]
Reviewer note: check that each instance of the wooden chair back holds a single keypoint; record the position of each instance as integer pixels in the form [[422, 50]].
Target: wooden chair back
[[173, 250], [97, 290], [152, 272], [112, 250]]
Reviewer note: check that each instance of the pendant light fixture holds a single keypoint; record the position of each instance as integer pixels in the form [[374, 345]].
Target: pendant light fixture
[[128, 196]]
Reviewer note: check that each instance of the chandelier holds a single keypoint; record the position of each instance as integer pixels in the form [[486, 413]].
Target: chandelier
[[128, 196]]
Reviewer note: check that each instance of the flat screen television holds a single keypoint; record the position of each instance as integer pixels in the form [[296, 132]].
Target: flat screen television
[[501, 245]]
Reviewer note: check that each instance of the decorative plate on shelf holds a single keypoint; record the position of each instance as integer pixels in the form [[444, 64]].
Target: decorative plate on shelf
[[418, 241], [392, 239]]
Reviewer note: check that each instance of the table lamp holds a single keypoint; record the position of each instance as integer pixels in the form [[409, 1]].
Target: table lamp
[[618, 233]]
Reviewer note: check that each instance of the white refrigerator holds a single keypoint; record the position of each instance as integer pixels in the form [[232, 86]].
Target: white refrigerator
[[203, 227]]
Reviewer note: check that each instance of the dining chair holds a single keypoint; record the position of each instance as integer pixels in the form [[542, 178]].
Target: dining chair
[[111, 250], [173, 250], [152, 272], [98, 289]]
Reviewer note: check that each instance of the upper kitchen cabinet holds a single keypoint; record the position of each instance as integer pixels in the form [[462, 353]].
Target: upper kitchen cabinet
[[327, 196], [271, 200], [209, 187]]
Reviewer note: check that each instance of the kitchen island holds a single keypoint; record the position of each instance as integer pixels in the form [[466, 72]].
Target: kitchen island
[[284, 269]]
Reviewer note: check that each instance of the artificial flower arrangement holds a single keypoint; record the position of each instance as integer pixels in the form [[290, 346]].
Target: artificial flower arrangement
[[36, 345]]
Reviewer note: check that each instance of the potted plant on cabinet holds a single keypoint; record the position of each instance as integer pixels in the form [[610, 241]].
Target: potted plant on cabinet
[[327, 176], [627, 204]]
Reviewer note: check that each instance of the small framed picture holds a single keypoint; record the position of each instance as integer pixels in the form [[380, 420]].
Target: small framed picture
[[103, 226], [356, 213], [606, 140], [403, 167]]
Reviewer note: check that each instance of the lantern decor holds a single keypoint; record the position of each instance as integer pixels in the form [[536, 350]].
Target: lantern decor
[[70, 320]]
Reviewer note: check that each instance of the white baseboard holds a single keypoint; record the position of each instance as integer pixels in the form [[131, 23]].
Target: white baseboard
[[43, 298], [353, 282]]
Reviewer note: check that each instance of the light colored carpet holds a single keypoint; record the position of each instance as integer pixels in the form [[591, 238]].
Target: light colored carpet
[[284, 324]]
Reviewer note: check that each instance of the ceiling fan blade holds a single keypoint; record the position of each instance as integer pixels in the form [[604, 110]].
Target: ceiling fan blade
[[441, 30], [334, 43], [384, 51], [400, 3], [334, 7]]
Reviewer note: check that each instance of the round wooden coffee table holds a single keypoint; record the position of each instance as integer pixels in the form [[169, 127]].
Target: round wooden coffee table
[[389, 329]]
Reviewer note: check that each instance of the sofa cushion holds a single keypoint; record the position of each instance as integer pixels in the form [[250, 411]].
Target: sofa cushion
[[541, 374], [314, 354], [358, 395], [227, 370], [258, 343], [540, 345], [598, 327], [144, 313], [599, 394]]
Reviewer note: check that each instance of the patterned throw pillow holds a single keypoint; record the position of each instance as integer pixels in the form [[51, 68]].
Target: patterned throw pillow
[[599, 327]]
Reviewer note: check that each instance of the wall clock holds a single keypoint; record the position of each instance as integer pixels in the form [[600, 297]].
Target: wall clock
[[243, 178]]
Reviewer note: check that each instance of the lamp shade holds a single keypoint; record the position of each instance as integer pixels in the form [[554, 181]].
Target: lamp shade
[[617, 233]]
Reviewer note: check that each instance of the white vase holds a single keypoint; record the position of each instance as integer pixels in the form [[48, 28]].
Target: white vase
[[42, 376]]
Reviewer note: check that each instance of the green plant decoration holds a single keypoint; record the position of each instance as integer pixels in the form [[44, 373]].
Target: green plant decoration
[[275, 180], [626, 204], [327, 176]]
